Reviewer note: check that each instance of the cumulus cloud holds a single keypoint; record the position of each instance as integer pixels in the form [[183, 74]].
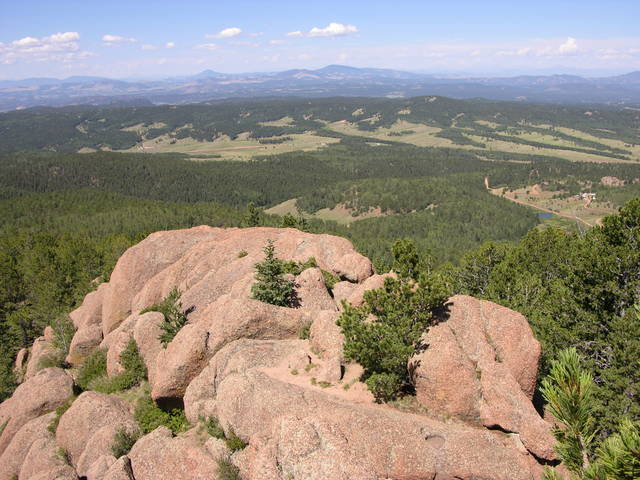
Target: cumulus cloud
[[111, 40], [149, 47], [226, 33], [59, 46], [207, 46], [276, 42], [570, 46], [169, 45], [333, 30]]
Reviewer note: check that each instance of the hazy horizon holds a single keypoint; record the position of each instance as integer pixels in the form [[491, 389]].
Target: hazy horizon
[[157, 39]]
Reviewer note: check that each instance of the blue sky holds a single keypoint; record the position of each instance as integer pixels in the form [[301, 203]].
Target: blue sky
[[143, 39]]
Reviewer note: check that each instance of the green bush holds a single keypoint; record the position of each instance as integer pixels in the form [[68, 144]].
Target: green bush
[[134, 373], [149, 417], [94, 366], [330, 279], [63, 331], [54, 359], [384, 386], [271, 286], [213, 428], [123, 441], [382, 333], [53, 425], [305, 331], [227, 470], [174, 317], [234, 443]]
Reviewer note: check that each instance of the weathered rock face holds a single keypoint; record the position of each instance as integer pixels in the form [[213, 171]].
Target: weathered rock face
[[297, 402], [13, 457], [300, 431], [40, 349], [481, 364], [42, 393], [87, 429], [159, 455]]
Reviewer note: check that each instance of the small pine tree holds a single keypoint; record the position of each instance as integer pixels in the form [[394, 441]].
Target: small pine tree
[[251, 216], [271, 286], [569, 391]]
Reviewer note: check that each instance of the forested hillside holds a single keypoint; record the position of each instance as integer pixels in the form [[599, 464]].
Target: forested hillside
[[431, 170]]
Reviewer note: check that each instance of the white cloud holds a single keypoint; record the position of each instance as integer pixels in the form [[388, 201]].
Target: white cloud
[[26, 42], [207, 46], [111, 40], [63, 37], [149, 47], [333, 30], [226, 33], [59, 47], [570, 46], [276, 42], [169, 45]]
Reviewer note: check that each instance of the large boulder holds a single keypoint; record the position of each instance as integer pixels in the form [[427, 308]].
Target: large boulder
[[45, 461], [481, 364], [40, 350], [228, 319], [90, 424], [160, 455], [312, 292], [13, 456], [43, 393], [140, 263], [295, 431]]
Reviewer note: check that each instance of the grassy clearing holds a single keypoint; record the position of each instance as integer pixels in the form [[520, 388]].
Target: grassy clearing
[[282, 122], [338, 214], [504, 146], [285, 208], [421, 136], [241, 148]]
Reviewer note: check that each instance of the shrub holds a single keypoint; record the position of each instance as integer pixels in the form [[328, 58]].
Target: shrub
[[234, 443], [174, 317], [53, 425], [271, 286], [227, 470], [135, 372], [54, 359], [384, 331], [305, 331], [384, 386], [242, 254], [149, 416], [330, 279], [213, 428], [94, 366], [123, 441], [63, 331]]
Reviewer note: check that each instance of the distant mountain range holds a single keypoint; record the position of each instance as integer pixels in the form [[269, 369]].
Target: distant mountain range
[[332, 80]]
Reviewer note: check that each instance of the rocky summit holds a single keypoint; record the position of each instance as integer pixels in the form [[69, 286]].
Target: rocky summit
[[291, 398]]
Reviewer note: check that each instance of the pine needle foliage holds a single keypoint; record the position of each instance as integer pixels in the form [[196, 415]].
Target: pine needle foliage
[[382, 333], [569, 391], [271, 286], [174, 316]]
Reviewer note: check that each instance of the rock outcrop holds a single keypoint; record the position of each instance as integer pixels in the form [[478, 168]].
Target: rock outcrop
[[495, 358], [276, 377], [44, 392]]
